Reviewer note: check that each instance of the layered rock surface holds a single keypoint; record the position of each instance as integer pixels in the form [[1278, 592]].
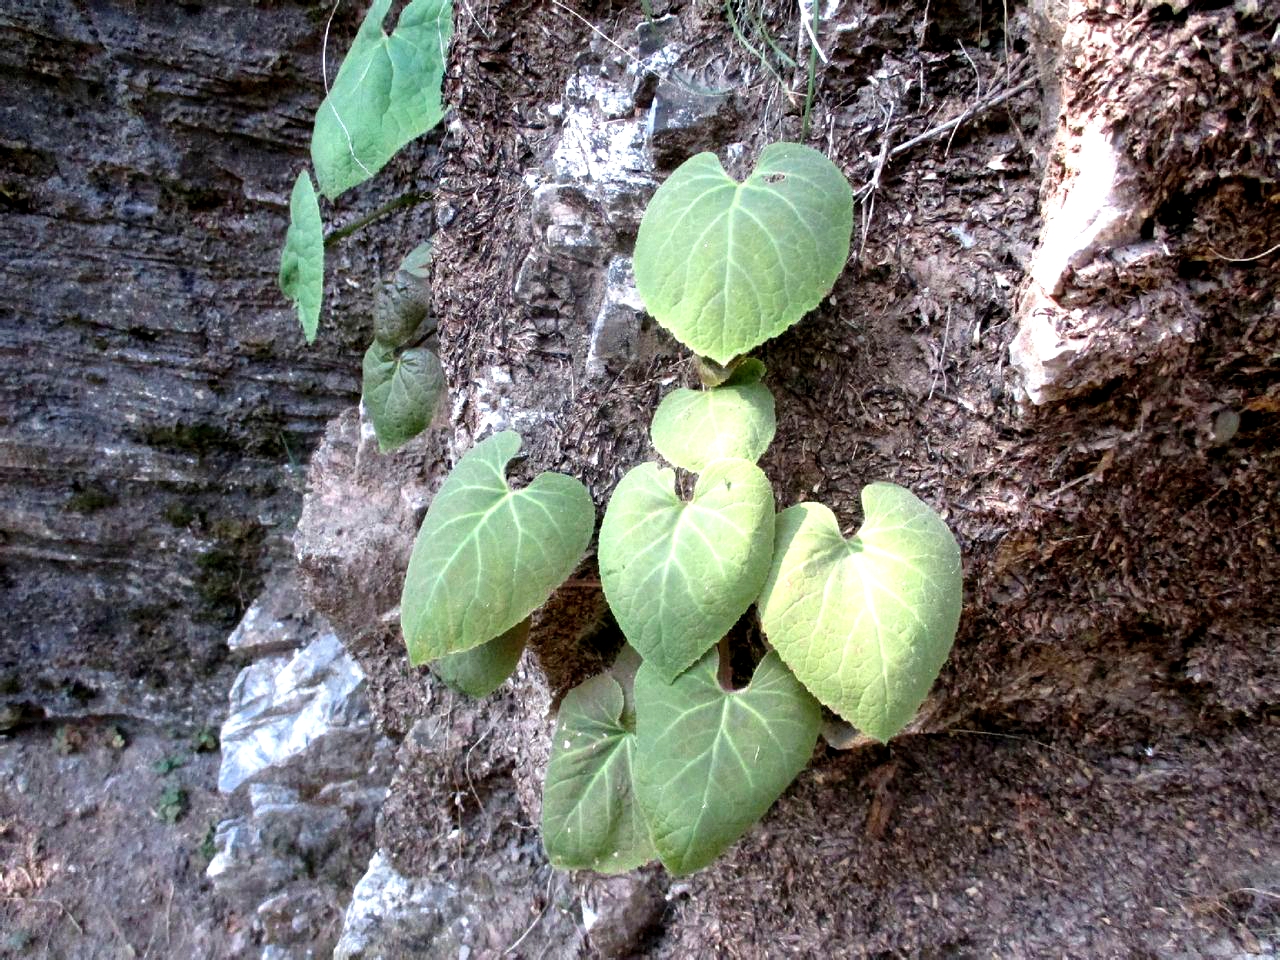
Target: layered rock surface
[[156, 401]]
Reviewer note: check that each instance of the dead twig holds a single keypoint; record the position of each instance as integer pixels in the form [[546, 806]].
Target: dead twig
[[1011, 736], [976, 110], [1264, 253], [867, 195], [536, 920], [942, 358]]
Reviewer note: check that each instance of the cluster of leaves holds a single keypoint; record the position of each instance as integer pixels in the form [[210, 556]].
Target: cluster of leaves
[[403, 379], [660, 757], [386, 94]]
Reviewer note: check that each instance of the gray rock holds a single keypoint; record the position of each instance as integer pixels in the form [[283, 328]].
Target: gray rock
[[616, 911], [1091, 241], [358, 522], [622, 329], [480, 911], [312, 714], [308, 772], [278, 621], [389, 913], [245, 868], [687, 118]]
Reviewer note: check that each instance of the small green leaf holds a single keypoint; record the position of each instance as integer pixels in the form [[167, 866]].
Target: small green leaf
[[401, 392], [590, 819], [867, 623], [678, 575], [487, 556], [173, 804], [405, 303], [302, 260], [168, 764], [694, 427], [481, 670], [725, 266], [711, 762], [736, 371], [386, 93]]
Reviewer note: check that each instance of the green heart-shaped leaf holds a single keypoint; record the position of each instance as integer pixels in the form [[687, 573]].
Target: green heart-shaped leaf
[[401, 392], [481, 670], [693, 427], [386, 93], [590, 818], [678, 575], [487, 556], [866, 623], [405, 303], [725, 266], [711, 762], [302, 260]]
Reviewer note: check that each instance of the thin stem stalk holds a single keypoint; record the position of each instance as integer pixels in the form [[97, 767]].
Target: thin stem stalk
[[402, 201]]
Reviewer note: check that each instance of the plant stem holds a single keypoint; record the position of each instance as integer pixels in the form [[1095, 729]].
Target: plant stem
[[746, 44], [404, 200], [813, 72], [725, 673]]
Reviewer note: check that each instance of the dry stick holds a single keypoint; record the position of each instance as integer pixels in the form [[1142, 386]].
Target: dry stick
[[868, 193], [942, 358], [973, 111], [536, 920], [1010, 736], [1253, 890], [886, 154], [1264, 253], [724, 674], [466, 767], [809, 24], [324, 76], [324, 48]]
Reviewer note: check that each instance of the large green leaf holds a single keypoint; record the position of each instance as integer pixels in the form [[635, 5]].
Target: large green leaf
[[481, 670], [401, 392], [725, 266], [866, 623], [693, 427], [401, 314], [302, 260], [710, 762], [386, 93], [487, 556], [590, 819], [678, 575]]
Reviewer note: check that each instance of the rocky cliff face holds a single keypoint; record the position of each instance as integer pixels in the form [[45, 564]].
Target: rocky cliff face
[[1106, 721], [157, 404]]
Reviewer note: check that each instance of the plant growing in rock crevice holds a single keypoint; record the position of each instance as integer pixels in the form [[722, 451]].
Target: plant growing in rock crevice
[[659, 757], [386, 94]]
